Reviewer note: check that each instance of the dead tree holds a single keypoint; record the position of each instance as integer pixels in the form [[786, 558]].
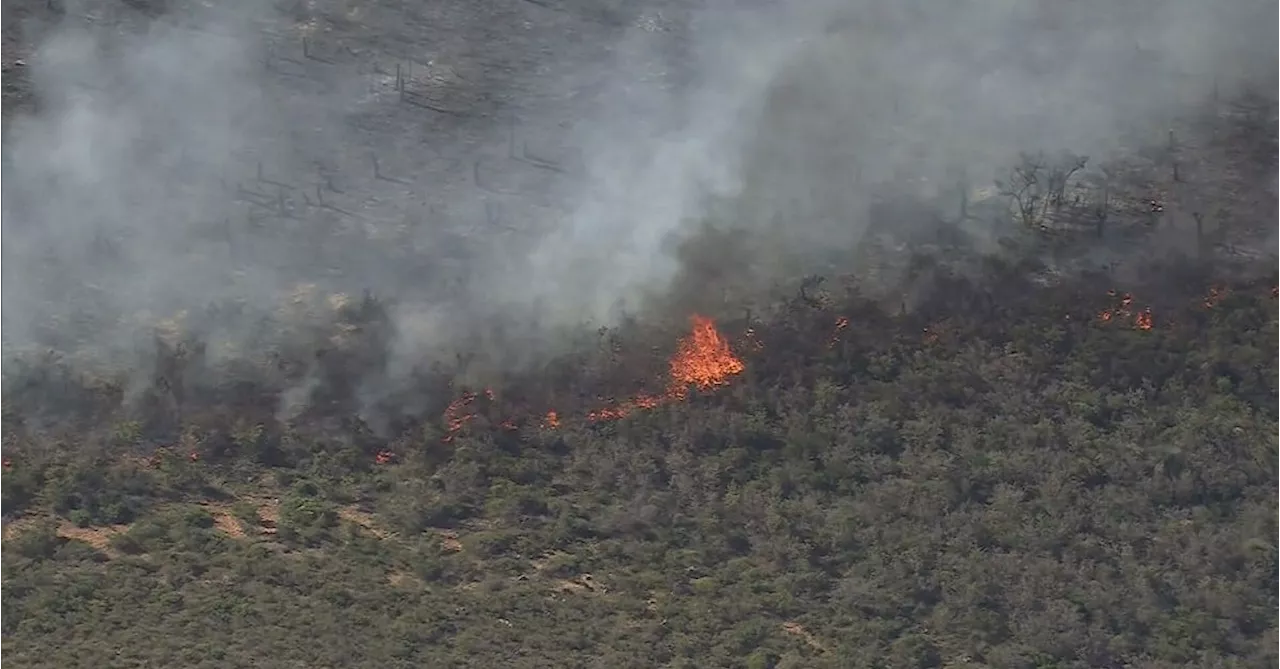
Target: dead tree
[[1025, 188], [1060, 177], [1037, 185], [1099, 204]]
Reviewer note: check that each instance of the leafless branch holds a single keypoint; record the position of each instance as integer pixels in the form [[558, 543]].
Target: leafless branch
[[265, 180], [308, 53], [480, 182], [377, 172]]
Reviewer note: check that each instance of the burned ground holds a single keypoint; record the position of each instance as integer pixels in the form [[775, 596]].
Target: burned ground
[[1011, 425]]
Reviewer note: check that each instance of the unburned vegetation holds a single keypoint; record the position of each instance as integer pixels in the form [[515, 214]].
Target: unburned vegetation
[[1008, 475], [1025, 423]]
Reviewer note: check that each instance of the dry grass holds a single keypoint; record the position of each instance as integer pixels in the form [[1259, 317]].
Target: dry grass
[[98, 537], [797, 630], [449, 540], [224, 522], [269, 514], [364, 520], [583, 584]]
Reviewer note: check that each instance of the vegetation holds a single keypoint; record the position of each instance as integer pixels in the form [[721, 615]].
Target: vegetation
[[959, 457], [1008, 475]]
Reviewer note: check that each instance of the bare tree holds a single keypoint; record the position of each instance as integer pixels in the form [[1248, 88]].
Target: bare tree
[[1038, 185]]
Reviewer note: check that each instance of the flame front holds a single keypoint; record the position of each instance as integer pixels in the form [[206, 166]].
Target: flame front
[[1142, 320], [703, 359], [455, 419]]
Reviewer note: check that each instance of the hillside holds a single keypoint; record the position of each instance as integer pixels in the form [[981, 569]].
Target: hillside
[[1010, 475], [671, 333]]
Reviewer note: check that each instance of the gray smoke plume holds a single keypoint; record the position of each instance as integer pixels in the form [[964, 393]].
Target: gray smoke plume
[[539, 164]]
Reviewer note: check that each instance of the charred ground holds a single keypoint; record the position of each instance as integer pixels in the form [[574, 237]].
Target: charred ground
[[1009, 475], [1031, 425]]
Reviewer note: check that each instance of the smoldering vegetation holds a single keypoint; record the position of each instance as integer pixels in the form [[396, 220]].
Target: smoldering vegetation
[[351, 210]]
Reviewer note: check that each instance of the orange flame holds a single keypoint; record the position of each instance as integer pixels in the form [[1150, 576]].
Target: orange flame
[[841, 323], [1123, 310], [1143, 320], [1215, 296], [702, 360], [384, 457], [454, 418], [632, 405]]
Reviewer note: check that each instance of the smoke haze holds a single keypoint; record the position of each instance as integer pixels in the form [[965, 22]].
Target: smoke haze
[[537, 165]]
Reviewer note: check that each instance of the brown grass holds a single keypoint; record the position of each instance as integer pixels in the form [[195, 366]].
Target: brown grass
[[364, 519], [449, 540], [269, 514], [798, 630], [583, 583], [224, 522], [98, 537]]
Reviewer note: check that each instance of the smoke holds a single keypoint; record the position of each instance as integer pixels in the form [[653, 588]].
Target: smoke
[[502, 172]]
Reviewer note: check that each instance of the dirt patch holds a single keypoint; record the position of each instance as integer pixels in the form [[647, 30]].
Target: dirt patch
[[543, 561], [403, 579], [224, 522], [98, 537], [449, 540], [583, 584], [13, 528], [364, 519], [269, 515], [570, 586], [797, 630]]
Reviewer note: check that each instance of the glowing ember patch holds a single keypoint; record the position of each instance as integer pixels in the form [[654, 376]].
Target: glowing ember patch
[[1214, 297], [456, 415], [702, 360], [841, 323], [1143, 320], [384, 457], [552, 421]]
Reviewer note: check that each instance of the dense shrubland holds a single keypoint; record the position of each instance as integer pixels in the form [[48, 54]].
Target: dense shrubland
[[1007, 474]]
